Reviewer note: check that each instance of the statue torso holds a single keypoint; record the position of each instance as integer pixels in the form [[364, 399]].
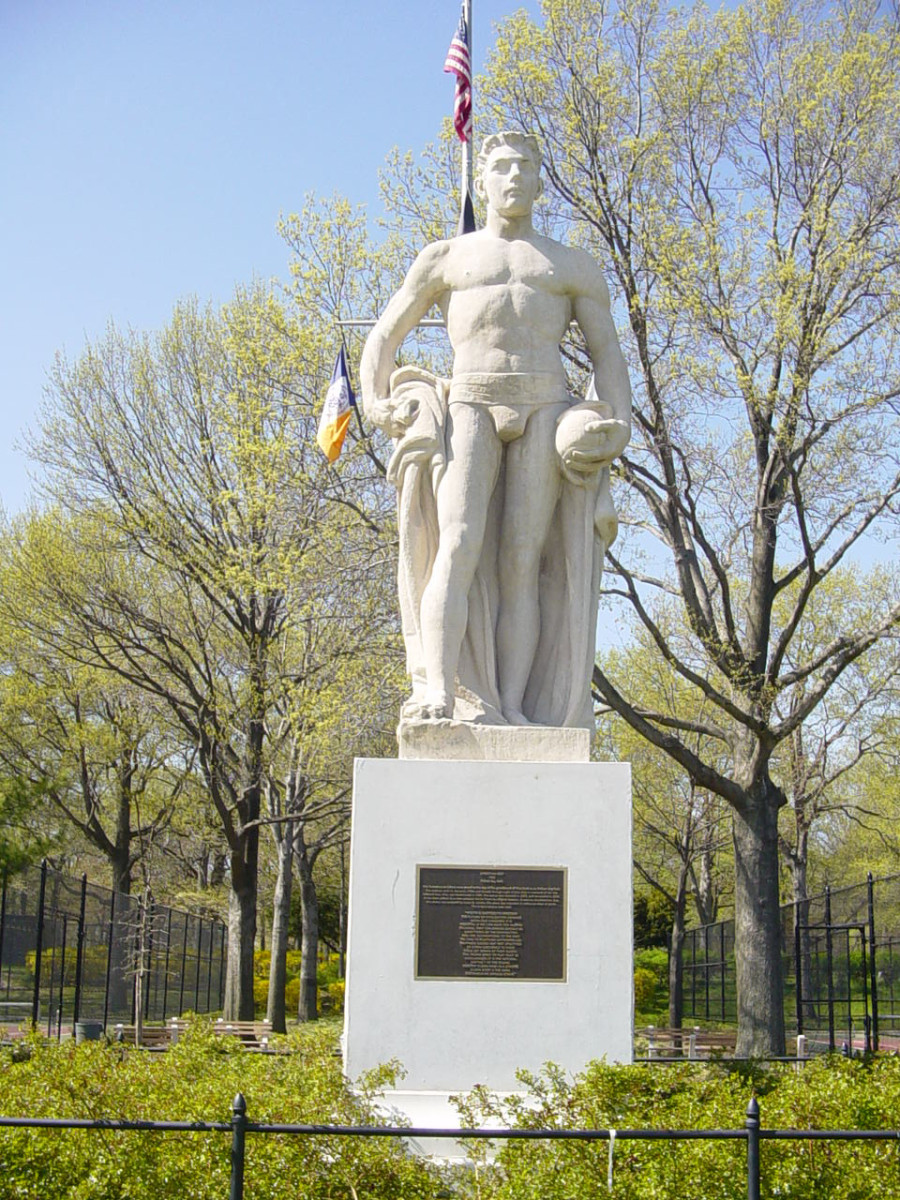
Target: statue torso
[[507, 303]]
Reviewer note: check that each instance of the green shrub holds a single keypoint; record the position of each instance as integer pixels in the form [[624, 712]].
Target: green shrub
[[93, 969], [196, 1080], [330, 988], [832, 1094], [651, 980], [644, 989]]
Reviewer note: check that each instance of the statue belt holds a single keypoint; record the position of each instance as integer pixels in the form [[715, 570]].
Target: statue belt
[[509, 388]]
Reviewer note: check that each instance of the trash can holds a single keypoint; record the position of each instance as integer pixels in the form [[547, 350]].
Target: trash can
[[88, 1031]]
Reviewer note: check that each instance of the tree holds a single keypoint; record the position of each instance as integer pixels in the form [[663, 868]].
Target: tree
[[678, 827], [23, 838], [90, 743], [738, 172], [209, 531], [819, 763]]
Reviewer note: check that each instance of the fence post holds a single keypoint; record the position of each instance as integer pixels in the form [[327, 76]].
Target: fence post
[[2, 924], [873, 970], [198, 957], [222, 962], [79, 953], [829, 967], [238, 1139], [209, 965], [798, 968], [752, 1125], [184, 925], [165, 1009], [39, 948], [801, 1049], [62, 978], [109, 956]]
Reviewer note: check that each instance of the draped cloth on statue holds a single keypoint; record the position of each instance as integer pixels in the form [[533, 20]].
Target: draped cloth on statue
[[583, 526]]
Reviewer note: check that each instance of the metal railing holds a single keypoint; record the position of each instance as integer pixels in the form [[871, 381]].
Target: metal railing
[[841, 972], [240, 1126]]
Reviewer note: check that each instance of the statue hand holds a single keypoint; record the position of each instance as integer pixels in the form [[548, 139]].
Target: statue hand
[[394, 415], [587, 441], [600, 443]]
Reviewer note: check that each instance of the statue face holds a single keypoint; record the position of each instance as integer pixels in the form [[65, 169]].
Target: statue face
[[511, 182]]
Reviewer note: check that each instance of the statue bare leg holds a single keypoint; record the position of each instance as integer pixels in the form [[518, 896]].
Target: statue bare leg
[[463, 499], [531, 491]]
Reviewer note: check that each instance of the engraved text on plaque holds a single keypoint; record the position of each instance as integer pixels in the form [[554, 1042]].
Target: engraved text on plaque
[[491, 923]]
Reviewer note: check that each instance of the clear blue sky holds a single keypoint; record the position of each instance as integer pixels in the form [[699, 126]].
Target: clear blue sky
[[147, 149]]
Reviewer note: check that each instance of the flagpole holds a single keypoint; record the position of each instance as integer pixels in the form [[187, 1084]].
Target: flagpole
[[466, 179]]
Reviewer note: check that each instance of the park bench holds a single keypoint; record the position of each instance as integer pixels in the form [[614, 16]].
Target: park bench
[[690, 1043], [255, 1035], [16, 1012], [153, 1037]]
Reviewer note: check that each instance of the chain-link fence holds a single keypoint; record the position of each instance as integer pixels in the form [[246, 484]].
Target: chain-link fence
[[73, 951], [841, 962]]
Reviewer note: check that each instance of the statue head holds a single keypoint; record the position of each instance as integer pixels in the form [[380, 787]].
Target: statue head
[[508, 173]]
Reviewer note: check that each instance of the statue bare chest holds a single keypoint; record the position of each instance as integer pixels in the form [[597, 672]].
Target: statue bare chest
[[504, 286]]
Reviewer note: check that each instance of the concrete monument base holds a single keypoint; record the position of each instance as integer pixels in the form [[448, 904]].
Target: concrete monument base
[[518, 875]]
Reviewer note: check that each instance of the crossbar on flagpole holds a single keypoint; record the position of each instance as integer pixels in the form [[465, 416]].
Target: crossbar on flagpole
[[368, 322]]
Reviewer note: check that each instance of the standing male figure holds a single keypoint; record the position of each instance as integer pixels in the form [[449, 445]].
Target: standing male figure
[[512, 436]]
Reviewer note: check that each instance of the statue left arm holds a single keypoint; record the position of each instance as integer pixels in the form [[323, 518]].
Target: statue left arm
[[591, 311]]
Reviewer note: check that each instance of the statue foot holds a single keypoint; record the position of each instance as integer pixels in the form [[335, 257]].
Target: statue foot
[[434, 707], [514, 717]]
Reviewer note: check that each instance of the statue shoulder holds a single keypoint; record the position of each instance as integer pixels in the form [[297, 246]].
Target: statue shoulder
[[431, 258], [587, 278]]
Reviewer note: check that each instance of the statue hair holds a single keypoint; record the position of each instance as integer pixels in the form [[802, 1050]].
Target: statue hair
[[525, 143]]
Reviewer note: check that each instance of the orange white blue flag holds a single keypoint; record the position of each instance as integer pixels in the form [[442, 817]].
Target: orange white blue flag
[[339, 400]]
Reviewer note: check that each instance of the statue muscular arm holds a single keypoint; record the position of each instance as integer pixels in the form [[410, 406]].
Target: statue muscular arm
[[590, 305], [423, 286]]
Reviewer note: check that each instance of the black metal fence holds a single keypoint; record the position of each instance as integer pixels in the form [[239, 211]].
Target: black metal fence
[[240, 1126], [841, 960], [73, 951]]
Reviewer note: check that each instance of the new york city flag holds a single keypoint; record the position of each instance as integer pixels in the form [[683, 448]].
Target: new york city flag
[[335, 418]]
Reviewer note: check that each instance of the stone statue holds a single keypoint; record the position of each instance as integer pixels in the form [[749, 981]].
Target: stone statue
[[502, 476]]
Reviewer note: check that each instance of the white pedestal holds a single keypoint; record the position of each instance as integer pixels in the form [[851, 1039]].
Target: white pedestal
[[451, 1034]]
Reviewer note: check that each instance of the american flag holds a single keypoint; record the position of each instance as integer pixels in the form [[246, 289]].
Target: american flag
[[459, 64]]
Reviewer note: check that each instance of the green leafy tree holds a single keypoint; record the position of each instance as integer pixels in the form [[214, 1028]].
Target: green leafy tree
[[89, 743], [25, 833], [738, 172], [679, 829], [208, 532]]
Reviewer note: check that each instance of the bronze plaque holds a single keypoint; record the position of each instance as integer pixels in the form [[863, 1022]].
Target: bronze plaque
[[491, 923]]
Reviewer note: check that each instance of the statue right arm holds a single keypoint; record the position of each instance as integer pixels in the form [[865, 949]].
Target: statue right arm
[[423, 286]]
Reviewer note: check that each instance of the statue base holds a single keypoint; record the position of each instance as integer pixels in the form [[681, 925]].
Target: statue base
[[464, 741], [490, 922]]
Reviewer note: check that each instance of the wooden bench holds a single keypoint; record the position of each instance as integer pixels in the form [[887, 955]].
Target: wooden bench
[[16, 1012], [693, 1043], [153, 1037], [254, 1035]]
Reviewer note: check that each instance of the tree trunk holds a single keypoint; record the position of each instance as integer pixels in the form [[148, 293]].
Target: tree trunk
[[122, 932], [239, 1004], [706, 894], [242, 900], [281, 912], [757, 925], [308, 1009], [676, 943]]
